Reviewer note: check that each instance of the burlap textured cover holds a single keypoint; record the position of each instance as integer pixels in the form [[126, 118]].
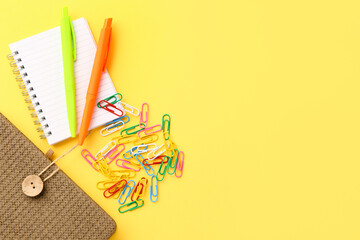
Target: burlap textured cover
[[61, 211]]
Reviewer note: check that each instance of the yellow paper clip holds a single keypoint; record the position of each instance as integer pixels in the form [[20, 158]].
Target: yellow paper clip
[[102, 167], [126, 139], [103, 185], [170, 148], [119, 174], [146, 139]]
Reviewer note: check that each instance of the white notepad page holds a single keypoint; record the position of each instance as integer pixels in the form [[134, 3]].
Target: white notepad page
[[41, 56]]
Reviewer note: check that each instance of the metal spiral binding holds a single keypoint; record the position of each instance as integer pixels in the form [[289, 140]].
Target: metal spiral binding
[[19, 71]]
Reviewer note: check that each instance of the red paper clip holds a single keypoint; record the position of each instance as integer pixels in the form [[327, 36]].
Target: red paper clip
[[139, 191], [115, 188], [157, 160], [110, 108]]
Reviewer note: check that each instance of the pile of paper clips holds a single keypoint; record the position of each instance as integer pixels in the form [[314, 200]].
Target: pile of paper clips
[[142, 153]]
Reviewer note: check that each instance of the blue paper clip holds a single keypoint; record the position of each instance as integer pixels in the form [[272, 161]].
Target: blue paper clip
[[151, 189], [137, 148], [127, 187], [117, 120], [148, 168]]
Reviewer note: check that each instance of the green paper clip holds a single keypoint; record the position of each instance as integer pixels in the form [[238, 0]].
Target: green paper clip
[[112, 99], [172, 163], [162, 173], [131, 208], [131, 128]]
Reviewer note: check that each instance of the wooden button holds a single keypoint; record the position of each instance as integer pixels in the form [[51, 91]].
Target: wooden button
[[32, 185]]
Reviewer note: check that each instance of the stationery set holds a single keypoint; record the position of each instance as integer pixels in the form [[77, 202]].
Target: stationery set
[[54, 70]]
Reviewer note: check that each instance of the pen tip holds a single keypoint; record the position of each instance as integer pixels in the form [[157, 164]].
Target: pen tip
[[108, 22]]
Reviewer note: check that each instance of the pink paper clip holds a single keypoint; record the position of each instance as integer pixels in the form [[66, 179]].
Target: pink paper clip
[[123, 162], [142, 114], [86, 154], [110, 108], [180, 164], [111, 154], [147, 131]]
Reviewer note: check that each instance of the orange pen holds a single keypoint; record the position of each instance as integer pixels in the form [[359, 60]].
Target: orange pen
[[98, 68]]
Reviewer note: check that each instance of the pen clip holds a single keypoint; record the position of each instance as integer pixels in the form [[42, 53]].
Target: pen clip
[[107, 51], [73, 40]]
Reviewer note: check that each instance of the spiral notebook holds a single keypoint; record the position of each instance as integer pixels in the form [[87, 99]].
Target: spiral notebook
[[38, 65]]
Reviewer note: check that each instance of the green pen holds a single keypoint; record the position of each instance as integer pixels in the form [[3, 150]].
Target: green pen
[[69, 56]]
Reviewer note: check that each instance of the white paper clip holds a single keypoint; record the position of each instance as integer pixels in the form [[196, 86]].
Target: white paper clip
[[105, 150], [153, 152], [130, 109]]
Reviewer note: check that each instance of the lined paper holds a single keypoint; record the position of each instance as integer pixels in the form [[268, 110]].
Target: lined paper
[[41, 55]]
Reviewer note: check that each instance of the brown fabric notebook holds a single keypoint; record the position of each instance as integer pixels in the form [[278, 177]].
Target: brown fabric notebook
[[61, 211]]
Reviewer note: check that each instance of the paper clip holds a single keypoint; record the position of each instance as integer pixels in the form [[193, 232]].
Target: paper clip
[[124, 190], [104, 131], [137, 149], [146, 111], [146, 148], [135, 203], [111, 108], [117, 122], [148, 169], [105, 150], [123, 162], [103, 185], [151, 189], [86, 154], [163, 172], [154, 153], [166, 126], [170, 149], [118, 174], [147, 139], [114, 126], [172, 163], [180, 164], [139, 192], [114, 188], [130, 109], [126, 130], [126, 139], [102, 167], [112, 99], [150, 130], [157, 160], [111, 154], [127, 155]]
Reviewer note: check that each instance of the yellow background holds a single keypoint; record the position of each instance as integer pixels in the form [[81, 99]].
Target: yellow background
[[264, 100]]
